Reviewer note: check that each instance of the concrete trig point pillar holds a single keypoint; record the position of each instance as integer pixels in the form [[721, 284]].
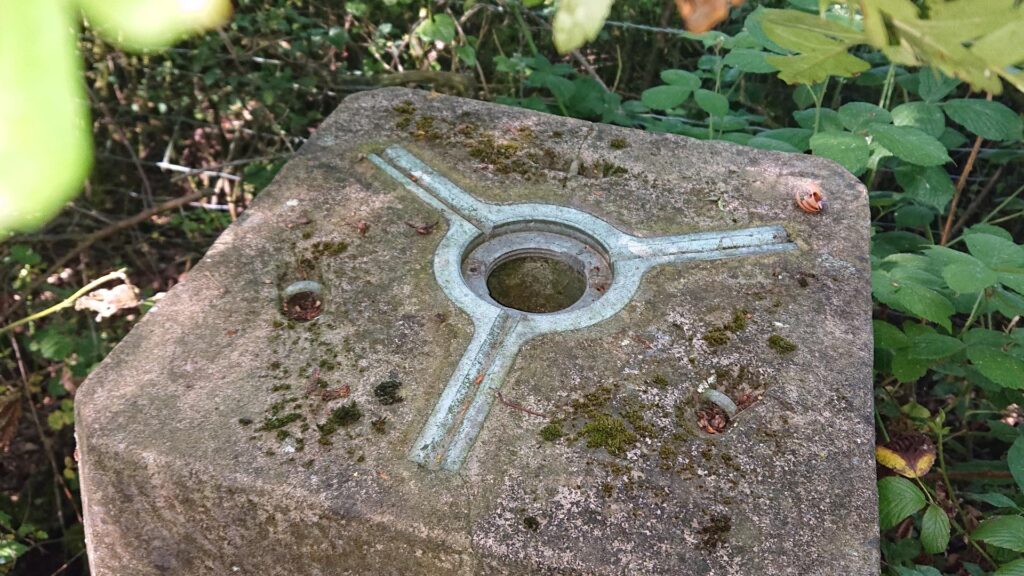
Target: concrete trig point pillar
[[343, 386]]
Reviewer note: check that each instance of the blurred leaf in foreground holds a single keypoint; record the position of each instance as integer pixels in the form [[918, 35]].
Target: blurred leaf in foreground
[[45, 139]]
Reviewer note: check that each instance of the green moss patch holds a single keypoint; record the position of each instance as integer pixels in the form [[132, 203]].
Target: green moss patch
[[552, 432], [781, 344], [608, 432], [341, 417]]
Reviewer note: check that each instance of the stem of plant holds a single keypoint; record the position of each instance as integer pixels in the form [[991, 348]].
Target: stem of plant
[[960, 185], [69, 301]]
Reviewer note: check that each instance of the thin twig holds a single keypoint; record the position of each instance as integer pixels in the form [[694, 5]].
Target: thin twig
[[58, 479], [67, 302], [960, 185], [101, 234], [977, 202], [519, 407]]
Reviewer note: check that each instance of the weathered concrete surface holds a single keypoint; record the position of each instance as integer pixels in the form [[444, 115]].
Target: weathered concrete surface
[[175, 482]]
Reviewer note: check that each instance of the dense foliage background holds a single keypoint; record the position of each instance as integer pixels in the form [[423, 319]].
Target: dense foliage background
[[186, 138]]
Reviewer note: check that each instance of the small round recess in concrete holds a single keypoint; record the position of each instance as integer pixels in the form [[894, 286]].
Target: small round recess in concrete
[[459, 338]]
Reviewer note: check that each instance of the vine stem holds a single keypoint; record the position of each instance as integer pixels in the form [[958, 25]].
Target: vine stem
[[960, 185], [70, 300]]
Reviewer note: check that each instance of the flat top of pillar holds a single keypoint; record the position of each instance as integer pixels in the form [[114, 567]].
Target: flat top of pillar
[[351, 350]]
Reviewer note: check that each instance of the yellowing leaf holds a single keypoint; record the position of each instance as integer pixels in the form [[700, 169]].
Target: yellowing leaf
[[911, 455], [150, 24], [578, 22]]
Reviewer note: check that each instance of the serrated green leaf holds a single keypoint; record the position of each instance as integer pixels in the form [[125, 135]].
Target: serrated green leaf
[[856, 116], [439, 28], [1015, 461], [897, 499], [1002, 46], [924, 116], [934, 530], [969, 276], [997, 366], [933, 85], [712, 102], [888, 336], [681, 78], [797, 30], [994, 251], [828, 120], [1002, 531], [799, 138], [992, 498], [925, 303], [849, 150], [934, 346], [990, 120], [914, 216], [818, 66], [746, 60], [1013, 280], [1015, 568], [930, 186], [664, 97], [910, 144]]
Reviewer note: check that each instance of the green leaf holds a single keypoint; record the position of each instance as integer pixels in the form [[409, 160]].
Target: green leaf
[[993, 499], [925, 303], [934, 530], [849, 150], [45, 132], [1015, 568], [990, 120], [994, 251], [969, 276], [828, 120], [856, 116], [577, 22], [930, 186], [802, 32], [897, 499], [712, 102], [1015, 461], [747, 60], [910, 144], [771, 144], [934, 346], [561, 88], [1002, 531], [933, 85], [818, 66], [10, 550], [439, 28], [997, 366], [924, 116], [664, 97], [153, 24], [467, 54], [799, 138], [681, 78], [888, 336], [907, 369]]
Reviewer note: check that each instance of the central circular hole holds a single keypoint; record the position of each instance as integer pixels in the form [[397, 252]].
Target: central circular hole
[[537, 284]]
